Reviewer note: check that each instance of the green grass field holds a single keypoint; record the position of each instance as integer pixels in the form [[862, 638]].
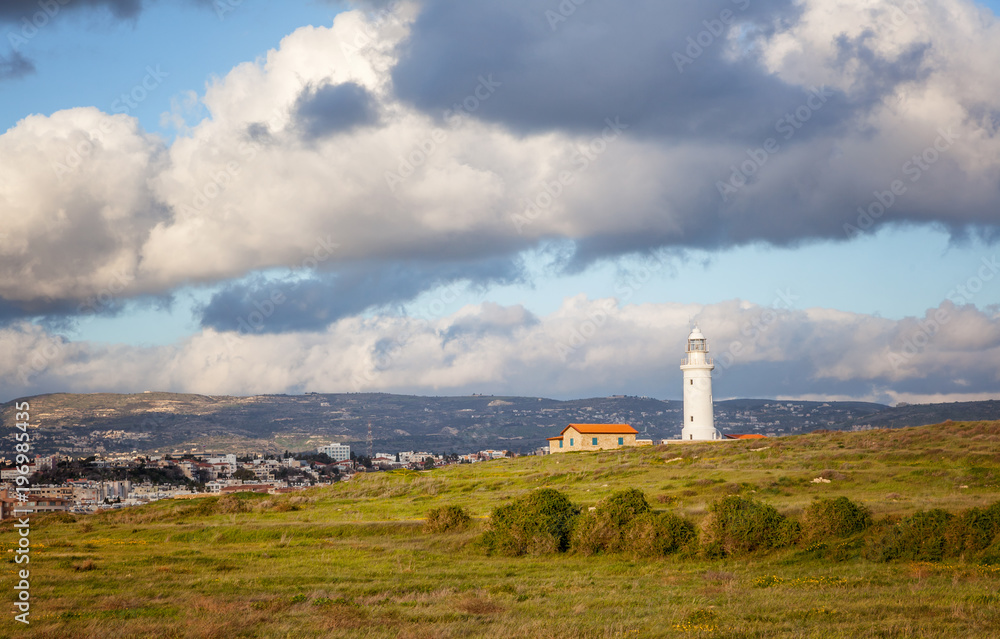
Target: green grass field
[[352, 560]]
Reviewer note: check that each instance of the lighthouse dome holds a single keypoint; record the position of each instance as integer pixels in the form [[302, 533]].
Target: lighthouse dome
[[696, 334]]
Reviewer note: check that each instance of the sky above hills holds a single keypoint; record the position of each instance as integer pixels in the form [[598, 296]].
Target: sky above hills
[[503, 197]]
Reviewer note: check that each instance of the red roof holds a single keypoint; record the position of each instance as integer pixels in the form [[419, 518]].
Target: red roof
[[601, 429]]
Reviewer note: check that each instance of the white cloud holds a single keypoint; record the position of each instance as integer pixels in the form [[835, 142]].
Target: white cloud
[[584, 347], [76, 203]]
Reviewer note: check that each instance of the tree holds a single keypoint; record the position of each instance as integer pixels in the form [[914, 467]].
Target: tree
[[244, 474], [428, 463]]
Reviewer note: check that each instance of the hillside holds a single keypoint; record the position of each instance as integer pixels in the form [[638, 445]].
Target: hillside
[[351, 560], [921, 414], [105, 422], [99, 422]]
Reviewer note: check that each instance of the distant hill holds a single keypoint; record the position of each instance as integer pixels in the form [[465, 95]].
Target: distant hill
[[923, 414], [106, 422]]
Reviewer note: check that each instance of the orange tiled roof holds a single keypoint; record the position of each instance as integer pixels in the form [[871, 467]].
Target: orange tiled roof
[[748, 436], [602, 429]]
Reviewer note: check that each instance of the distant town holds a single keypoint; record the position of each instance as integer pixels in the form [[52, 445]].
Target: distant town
[[88, 484]]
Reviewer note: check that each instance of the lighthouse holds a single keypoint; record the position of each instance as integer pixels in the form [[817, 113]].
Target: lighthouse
[[699, 420]]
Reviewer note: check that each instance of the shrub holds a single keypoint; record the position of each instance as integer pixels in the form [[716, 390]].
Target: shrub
[[624, 522], [603, 529], [536, 524], [658, 534], [740, 525], [973, 532], [920, 537], [623, 506], [839, 517], [593, 534], [447, 518]]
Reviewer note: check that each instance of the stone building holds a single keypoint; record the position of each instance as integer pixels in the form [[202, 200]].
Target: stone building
[[593, 437]]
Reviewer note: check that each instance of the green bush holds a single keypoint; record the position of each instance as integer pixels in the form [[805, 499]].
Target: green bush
[[593, 534], [740, 525], [624, 522], [658, 534], [447, 518], [934, 535], [973, 532], [602, 529], [537, 524], [622, 507], [839, 517], [919, 537]]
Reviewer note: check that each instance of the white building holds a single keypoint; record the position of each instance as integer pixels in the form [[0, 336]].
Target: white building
[[228, 460], [699, 419], [410, 457], [337, 452]]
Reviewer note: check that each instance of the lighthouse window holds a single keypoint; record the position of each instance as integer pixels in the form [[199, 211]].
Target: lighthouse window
[[692, 382], [692, 417]]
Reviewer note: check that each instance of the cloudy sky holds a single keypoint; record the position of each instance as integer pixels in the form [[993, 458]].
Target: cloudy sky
[[501, 196]]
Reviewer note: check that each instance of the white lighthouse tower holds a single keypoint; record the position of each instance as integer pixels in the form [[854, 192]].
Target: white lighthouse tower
[[699, 419]]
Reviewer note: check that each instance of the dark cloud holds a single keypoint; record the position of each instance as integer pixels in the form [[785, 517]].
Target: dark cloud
[[601, 61], [15, 66], [335, 107], [15, 311], [273, 305], [59, 315], [16, 10], [878, 75], [671, 72], [41, 13]]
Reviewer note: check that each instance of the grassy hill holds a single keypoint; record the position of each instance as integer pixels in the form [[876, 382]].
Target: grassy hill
[[352, 560]]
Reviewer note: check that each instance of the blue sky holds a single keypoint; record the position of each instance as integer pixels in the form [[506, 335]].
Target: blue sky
[[908, 264]]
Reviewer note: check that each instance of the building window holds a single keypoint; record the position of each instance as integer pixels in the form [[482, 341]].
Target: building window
[[692, 417], [621, 441], [593, 441], [560, 443], [692, 382], [570, 441]]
